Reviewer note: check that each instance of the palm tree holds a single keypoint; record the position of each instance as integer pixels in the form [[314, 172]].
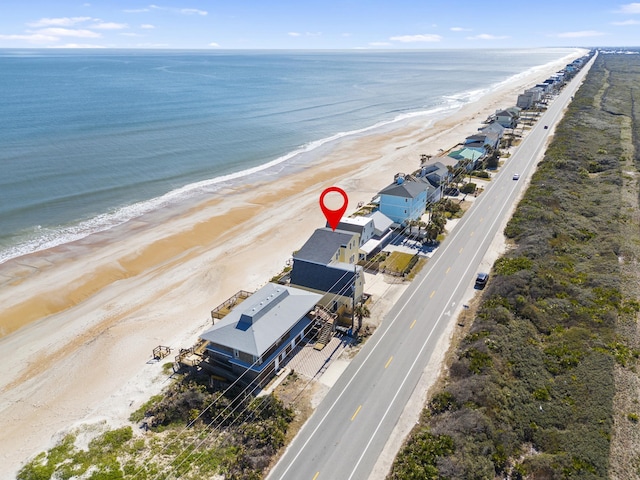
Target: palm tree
[[361, 311]]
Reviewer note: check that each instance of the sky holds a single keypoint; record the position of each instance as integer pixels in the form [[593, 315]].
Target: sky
[[318, 24]]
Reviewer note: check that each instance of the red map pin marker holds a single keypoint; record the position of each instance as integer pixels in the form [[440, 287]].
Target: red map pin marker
[[333, 216]]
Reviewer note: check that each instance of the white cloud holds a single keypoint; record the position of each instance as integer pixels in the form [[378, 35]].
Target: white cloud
[[147, 26], [630, 8], [59, 22], [193, 11], [487, 36], [183, 11], [110, 26], [32, 38], [136, 10], [214, 44], [306, 34], [459, 29], [131, 34], [346, 34], [69, 32], [626, 22], [429, 37], [580, 34], [77, 45], [379, 44]]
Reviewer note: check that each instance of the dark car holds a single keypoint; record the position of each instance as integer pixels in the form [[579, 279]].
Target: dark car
[[481, 280], [546, 126]]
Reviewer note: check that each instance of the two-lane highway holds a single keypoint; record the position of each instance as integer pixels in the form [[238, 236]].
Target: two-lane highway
[[346, 434]]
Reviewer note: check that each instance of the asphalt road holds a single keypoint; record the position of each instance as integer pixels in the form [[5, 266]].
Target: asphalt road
[[346, 434]]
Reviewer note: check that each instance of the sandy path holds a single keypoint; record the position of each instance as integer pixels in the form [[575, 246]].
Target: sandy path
[[80, 321]]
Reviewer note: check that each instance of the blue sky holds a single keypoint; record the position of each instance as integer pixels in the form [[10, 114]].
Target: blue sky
[[314, 24]]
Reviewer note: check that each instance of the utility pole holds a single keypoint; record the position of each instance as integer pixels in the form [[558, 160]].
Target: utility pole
[[353, 300]]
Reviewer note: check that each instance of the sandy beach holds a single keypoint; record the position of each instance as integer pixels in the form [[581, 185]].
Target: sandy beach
[[79, 322]]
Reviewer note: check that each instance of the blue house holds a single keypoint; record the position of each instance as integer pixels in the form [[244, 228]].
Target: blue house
[[404, 200]]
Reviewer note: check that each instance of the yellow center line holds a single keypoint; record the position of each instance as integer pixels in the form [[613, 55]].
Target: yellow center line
[[448, 270], [389, 361], [461, 250], [471, 234], [357, 411], [413, 323], [316, 475], [432, 294]]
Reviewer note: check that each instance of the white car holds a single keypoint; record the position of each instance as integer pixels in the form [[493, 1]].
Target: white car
[[516, 176]]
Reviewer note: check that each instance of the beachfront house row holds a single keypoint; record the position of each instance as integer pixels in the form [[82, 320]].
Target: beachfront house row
[[253, 340], [326, 264], [404, 200]]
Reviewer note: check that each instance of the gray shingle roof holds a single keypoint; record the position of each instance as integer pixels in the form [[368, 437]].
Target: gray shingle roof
[[323, 244], [407, 189], [258, 322]]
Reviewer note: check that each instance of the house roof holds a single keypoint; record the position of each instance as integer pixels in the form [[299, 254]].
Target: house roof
[[353, 224], [435, 167], [258, 322], [445, 160], [406, 189], [323, 244], [494, 127], [381, 223], [337, 278], [466, 153], [504, 113]]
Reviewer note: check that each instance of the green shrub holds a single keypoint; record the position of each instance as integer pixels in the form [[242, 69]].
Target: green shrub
[[468, 188]]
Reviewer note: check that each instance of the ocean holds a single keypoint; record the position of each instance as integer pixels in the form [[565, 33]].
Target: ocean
[[92, 139]]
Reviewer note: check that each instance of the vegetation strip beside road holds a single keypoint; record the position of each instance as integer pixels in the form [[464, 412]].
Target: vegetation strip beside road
[[535, 389]]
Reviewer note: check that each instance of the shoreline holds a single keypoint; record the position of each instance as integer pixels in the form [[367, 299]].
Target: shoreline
[[114, 297], [299, 158]]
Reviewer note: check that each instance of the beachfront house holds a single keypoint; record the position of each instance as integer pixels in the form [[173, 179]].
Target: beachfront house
[[253, 340], [467, 158], [530, 98], [506, 118], [480, 141], [493, 127], [382, 233], [381, 224], [326, 264], [525, 100], [404, 200], [361, 225], [374, 230]]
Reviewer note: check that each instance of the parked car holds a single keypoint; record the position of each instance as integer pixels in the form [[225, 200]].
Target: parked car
[[546, 126], [516, 176], [481, 280]]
